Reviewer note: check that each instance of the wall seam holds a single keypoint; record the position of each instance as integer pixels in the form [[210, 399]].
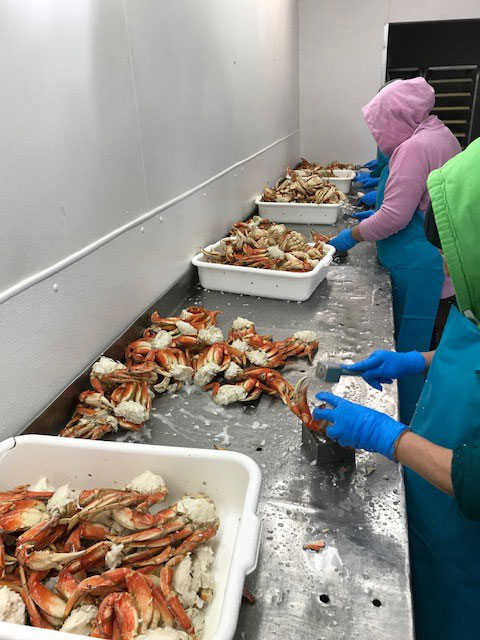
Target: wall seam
[[34, 279], [135, 97]]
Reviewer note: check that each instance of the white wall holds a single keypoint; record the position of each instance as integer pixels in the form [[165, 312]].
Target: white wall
[[109, 110], [341, 67]]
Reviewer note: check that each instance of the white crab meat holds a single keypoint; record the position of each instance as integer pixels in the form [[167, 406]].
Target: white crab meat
[[167, 633], [162, 340], [210, 335], [60, 501], [186, 315], [198, 507], [241, 323], [114, 557], [186, 328], [198, 620], [183, 583], [206, 374], [12, 608], [233, 370], [42, 484], [229, 393], [240, 345], [275, 252], [181, 373], [258, 357], [192, 575], [106, 365], [147, 482], [306, 336], [203, 558], [132, 411], [80, 620]]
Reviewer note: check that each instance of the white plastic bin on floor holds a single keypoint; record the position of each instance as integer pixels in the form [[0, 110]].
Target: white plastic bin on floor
[[266, 283], [298, 212], [232, 479]]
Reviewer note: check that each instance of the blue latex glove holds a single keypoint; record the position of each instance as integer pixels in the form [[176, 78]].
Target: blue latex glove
[[368, 199], [372, 164], [370, 183], [361, 177], [385, 366], [344, 241], [363, 215], [359, 427]]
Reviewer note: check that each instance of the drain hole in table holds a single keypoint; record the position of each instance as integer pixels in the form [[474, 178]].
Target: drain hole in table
[[259, 448], [376, 603], [324, 598]]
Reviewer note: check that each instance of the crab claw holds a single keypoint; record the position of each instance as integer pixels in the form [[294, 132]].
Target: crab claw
[[299, 406]]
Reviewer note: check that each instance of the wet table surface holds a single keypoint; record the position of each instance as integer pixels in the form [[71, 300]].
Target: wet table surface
[[358, 586]]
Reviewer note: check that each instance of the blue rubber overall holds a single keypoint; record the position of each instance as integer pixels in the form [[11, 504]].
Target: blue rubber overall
[[417, 277], [444, 545]]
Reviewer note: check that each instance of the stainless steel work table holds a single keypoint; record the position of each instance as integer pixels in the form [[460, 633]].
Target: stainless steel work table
[[358, 586]]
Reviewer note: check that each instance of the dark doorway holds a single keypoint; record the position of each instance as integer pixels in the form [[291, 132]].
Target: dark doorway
[[447, 54]]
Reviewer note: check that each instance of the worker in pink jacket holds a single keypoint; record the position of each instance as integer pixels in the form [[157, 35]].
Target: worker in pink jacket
[[416, 143]]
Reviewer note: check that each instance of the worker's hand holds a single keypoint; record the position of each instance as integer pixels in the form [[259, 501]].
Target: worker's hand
[[370, 183], [372, 164], [362, 176], [368, 199], [359, 427], [382, 367], [344, 241], [363, 215]]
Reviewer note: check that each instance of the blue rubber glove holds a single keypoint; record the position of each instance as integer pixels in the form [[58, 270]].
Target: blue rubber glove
[[370, 183], [363, 215], [344, 241], [382, 367], [372, 164], [362, 176], [368, 199], [359, 427]]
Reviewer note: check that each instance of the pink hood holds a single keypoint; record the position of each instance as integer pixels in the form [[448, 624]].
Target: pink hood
[[397, 110]]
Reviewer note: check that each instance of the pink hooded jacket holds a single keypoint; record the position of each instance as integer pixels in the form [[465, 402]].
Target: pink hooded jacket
[[417, 143]]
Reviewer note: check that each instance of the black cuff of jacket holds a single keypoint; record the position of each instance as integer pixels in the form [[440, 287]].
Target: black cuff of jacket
[[466, 479]]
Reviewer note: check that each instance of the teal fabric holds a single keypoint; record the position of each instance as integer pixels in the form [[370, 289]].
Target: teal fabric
[[466, 479], [383, 177], [444, 545], [382, 163], [417, 277]]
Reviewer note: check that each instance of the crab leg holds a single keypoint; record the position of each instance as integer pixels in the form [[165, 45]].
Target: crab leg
[[299, 406], [138, 538], [36, 618], [103, 623], [142, 598], [43, 597], [172, 599], [126, 616]]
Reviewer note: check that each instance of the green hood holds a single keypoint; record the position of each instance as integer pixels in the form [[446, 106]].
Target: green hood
[[455, 193]]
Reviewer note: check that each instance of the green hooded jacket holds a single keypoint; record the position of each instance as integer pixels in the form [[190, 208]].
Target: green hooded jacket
[[455, 194]]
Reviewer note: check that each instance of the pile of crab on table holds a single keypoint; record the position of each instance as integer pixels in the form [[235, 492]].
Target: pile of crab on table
[[111, 563]]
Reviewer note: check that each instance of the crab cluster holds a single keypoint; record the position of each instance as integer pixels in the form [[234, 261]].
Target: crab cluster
[[262, 244], [100, 563], [185, 349], [329, 168]]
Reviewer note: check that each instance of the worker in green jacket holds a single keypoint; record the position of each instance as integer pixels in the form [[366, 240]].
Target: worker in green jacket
[[441, 449]]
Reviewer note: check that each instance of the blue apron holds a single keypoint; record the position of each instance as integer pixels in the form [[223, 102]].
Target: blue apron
[[417, 276], [445, 546]]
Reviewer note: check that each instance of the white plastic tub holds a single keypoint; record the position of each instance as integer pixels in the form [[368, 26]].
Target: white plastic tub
[[342, 179], [298, 212], [266, 283], [231, 479]]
